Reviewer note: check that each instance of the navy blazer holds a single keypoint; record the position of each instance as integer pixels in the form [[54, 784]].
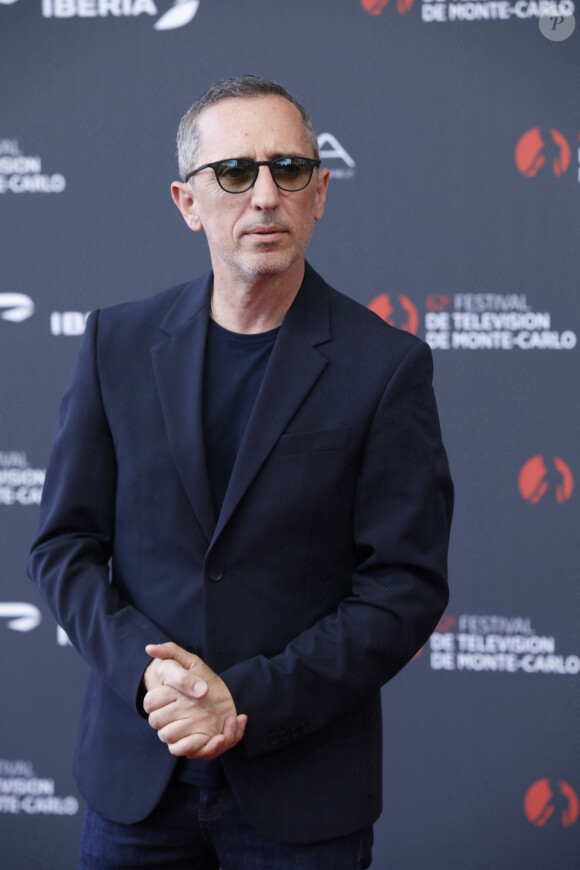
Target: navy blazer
[[323, 574]]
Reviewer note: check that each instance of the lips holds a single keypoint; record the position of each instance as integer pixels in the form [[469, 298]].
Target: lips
[[265, 235], [265, 231]]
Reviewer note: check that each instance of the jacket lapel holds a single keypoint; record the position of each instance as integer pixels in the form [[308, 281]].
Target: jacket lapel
[[178, 363], [293, 369]]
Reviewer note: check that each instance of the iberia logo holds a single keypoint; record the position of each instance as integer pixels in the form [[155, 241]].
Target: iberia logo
[[535, 479], [375, 7], [180, 13], [401, 313], [532, 150], [541, 802]]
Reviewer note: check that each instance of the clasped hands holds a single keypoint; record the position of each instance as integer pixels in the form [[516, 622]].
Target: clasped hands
[[189, 705]]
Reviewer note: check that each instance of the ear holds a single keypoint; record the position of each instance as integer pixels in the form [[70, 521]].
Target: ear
[[185, 201], [321, 188]]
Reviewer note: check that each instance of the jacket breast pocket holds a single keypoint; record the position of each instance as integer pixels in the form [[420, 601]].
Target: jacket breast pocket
[[310, 442]]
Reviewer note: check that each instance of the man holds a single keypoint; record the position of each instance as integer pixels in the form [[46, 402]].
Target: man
[[244, 526]]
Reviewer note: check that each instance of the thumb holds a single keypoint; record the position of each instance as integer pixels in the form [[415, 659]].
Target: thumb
[[171, 651], [191, 683]]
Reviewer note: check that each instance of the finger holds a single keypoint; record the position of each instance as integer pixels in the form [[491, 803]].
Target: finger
[[161, 697], [181, 729], [233, 732], [212, 749], [241, 720], [180, 709], [171, 650], [189, 746], [179, 668]]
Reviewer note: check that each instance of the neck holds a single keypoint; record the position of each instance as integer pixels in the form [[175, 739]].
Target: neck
[[256, 304]]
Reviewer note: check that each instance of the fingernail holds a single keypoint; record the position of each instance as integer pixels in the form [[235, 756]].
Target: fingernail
[[199, 690]]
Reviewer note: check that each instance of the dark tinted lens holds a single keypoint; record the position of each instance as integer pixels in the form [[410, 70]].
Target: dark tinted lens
[[236, 175], [291, 173]]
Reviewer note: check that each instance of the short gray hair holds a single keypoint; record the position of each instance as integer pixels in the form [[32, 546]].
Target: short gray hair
[[245, 87]]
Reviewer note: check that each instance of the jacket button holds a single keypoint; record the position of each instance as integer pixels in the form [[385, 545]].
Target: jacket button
[[215, 574]]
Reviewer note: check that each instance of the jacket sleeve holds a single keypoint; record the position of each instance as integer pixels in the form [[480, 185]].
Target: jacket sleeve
[[70, 556], [401, 522]]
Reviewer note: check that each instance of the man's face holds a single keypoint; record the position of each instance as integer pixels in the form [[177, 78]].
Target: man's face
[[264, 231]]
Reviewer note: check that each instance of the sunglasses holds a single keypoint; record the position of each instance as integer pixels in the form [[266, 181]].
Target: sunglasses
[[239, 174]]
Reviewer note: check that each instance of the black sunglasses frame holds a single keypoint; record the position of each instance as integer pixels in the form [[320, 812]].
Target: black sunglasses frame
[[256, 168]]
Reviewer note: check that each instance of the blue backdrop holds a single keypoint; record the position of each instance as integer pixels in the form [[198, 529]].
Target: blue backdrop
[[452, 132]]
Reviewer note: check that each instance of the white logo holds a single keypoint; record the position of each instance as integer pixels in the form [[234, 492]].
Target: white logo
[[17, 307], [494, 321], [68, 323], [178, 15], [483, 10], [498, 644], [20, 616], [22, 174], [21, 791], [335, 151], [19, 484]]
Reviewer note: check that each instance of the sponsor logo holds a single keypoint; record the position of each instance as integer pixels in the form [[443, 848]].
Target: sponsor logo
[[331, 150], [180, 13], [491, 321], [494, 10], [533, 149], [19, 483], [21, 791], [375, 7], [543, 802], [398, 312], [19, 615], [499, 644], [486, 10], [22, 174], [22, 616], [536, 479], [68, 323], [15, 307]]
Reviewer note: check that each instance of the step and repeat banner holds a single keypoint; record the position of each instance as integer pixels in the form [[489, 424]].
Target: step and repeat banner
[[451, 129]]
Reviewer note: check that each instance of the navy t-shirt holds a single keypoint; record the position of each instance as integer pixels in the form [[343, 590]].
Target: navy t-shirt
[[234, 368]]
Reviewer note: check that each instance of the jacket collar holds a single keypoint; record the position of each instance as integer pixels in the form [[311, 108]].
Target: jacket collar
[[294, 367]]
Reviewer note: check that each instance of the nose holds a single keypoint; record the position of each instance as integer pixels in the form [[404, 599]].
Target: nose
[[265, 194]]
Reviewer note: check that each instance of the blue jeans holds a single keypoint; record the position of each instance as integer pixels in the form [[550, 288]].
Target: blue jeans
[[199, 828]]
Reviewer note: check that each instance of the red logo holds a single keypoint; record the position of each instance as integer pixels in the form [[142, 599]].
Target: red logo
[[437, 302], [445, 624], [541, 802], [403, 311], [534, 479], [375, 7], [531, 152]]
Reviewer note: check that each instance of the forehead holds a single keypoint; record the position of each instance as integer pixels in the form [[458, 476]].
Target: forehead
[[259, 128]]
